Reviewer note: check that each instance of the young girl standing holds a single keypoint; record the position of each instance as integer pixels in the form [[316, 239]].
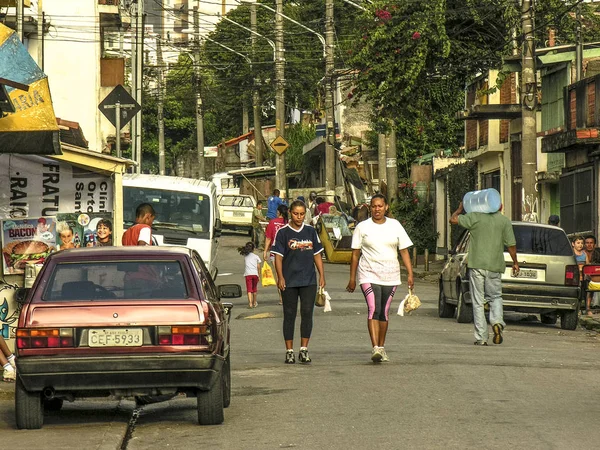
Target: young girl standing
[[251, 272]]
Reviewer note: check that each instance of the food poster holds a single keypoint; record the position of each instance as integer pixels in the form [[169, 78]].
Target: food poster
[[75, 230], [25, 241]]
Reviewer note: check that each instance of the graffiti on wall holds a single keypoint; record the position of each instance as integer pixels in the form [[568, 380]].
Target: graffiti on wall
[[530, 207], [9, 309]]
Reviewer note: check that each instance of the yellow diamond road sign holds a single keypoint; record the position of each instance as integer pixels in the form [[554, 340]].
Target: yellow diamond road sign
[[279, 145]]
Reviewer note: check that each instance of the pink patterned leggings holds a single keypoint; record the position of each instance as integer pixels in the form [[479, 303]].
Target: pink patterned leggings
[[379, 298]]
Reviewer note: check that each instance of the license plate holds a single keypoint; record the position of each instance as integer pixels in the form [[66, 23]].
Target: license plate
[[239, 214], [115, 337], [525, 273]]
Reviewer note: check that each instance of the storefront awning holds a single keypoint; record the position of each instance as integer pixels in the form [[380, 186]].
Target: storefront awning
[[27, 121]]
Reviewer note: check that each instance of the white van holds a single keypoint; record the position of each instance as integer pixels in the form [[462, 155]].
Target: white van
[[224, 183], [186, 212]]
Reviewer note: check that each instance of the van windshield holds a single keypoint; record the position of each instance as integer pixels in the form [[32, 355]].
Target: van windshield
[[174, 209]]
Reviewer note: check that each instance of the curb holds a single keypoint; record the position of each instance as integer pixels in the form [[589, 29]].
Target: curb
[[590, 323]]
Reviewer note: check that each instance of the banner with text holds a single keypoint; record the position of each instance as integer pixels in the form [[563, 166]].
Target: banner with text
[[33, 186]]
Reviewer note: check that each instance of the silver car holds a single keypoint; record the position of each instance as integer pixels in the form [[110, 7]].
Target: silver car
[[547, 284]]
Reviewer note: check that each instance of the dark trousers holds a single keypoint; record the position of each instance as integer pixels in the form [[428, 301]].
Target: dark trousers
[[290, 297]]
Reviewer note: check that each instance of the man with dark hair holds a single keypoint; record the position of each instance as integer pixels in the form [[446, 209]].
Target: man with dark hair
[[273, 203], [141, 232], [553, 220]]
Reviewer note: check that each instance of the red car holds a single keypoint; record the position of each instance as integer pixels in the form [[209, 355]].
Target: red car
[[123, 322]]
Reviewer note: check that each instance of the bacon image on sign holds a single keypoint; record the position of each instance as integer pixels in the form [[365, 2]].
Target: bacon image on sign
[[279, 145]]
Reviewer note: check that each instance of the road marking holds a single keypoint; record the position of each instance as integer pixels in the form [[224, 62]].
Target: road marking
[[260, 316], [224, 274]]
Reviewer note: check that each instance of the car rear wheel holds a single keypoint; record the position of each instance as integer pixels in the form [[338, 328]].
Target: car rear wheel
[[210, 405], [226, 380], [29, 412], [568, 320], [444, 309], [464, 312], [549, 318]]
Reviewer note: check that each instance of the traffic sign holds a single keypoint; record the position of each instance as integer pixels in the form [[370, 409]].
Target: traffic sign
[[279, 145], [128, 107]]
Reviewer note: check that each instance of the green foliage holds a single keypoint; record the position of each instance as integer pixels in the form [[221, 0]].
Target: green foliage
[[298, 136], [462, 178], [416, 216]]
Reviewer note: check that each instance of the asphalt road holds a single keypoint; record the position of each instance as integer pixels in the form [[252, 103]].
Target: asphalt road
[[538, 390]]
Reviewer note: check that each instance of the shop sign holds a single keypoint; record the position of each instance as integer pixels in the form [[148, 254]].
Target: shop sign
[[35, 186]]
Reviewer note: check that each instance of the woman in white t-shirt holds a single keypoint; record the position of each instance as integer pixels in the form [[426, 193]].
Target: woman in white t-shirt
[[375, 245]]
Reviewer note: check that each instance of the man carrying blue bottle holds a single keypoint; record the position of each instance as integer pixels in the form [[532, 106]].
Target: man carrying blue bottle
[[490, 232]]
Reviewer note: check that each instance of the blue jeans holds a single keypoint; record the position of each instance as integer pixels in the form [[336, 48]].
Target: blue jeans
[[486, 287]]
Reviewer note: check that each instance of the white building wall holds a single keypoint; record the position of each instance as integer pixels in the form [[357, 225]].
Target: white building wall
[[72, 63]]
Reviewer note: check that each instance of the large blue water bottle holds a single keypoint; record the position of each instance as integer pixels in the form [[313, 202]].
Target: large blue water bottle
[[484, 201]]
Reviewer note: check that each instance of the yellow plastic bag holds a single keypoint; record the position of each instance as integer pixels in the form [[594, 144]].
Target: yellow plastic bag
[[409, 304], [266, 275]]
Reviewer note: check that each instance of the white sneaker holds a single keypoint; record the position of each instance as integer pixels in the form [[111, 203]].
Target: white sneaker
[[9, 374], [384, 356], [377, 355]]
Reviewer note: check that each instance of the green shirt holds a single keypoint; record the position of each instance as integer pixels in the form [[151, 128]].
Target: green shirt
[[257, 216], [490, 233]]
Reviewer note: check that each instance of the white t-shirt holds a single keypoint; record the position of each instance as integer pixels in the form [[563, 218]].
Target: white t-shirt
[[252, 261], [379, 244]]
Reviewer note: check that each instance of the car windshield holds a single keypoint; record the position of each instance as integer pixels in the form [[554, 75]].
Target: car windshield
[[174, 209], [542, 241], [128, 280]]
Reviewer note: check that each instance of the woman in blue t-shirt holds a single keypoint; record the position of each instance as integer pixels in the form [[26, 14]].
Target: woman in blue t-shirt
[[297, 251]]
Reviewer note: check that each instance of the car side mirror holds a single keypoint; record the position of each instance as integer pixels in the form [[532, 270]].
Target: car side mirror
[[21, 295], [229, 291]]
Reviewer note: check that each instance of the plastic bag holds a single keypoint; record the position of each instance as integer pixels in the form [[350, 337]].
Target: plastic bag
[[266, 275], [320, 297], [409, 303], [327, 307]]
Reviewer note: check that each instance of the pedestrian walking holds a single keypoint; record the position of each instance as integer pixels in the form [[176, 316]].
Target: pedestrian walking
[[375, 245], [297, 252], [593, 257], [273, 202], [7, 360], [273, 227], [257, 231], [490, 233], [141, 232], [251, 271]]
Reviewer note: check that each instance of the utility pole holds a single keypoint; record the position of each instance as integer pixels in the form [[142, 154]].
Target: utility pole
[[40, 35], [280, 174], [199, 118], [256, 106], [139, 42], [382, 160], [134, 119], [392, 166], [19, 19], [528, 107], [579, 48], [330, 157], [161, 118]]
